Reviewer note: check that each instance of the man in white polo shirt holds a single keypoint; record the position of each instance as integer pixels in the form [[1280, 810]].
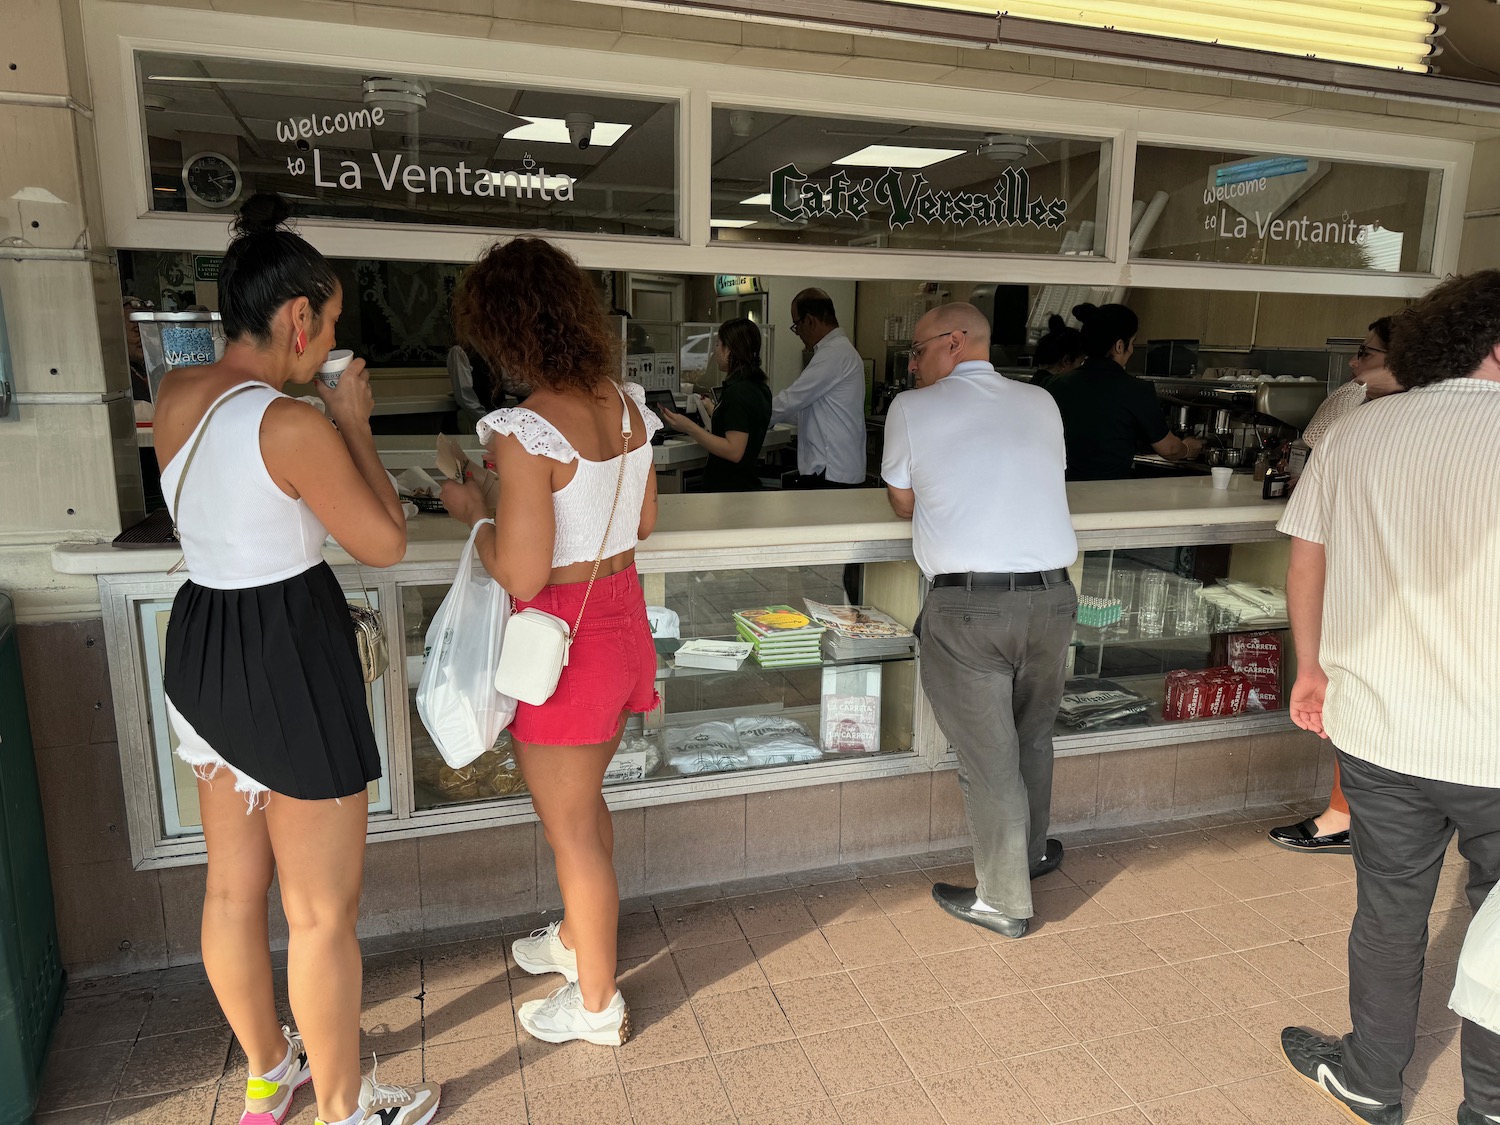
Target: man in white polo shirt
[[976, 461], [1394, 598]]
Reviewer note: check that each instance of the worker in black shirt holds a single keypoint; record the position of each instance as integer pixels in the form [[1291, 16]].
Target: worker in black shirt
[[739, 422], [1108, 414]]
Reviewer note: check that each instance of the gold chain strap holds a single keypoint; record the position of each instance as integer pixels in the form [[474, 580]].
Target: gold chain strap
[[608, 527]]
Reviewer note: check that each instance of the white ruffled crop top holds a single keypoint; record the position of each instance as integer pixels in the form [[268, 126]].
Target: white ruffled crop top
[[580, 508]]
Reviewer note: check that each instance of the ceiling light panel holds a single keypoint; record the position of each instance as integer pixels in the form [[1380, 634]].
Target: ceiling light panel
[[554, 130], [899, 156], [731, 223]]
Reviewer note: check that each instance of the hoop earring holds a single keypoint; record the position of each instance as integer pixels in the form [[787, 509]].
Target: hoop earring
[[301, 345]]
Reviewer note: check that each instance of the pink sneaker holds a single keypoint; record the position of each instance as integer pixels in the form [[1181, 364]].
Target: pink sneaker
[[268, 1103]]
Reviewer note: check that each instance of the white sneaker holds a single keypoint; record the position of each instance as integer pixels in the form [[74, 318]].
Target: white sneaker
[[562, 1017], [543, 952], [397, 1105], [266, 1102]]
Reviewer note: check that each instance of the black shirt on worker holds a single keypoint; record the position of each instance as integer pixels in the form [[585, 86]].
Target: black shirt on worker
[[1108, 416], [744, 407]]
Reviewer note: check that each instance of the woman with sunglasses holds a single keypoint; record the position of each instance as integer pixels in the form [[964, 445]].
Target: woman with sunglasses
[[737, 426], [1369, 379]]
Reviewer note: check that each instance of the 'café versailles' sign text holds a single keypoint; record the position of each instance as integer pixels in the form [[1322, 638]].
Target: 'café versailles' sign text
[[910, 198]]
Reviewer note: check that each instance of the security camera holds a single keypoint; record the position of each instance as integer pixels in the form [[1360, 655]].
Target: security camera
[[580, 128]]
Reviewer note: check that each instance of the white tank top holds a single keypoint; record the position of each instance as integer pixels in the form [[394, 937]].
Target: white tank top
[[238, 528], [580, 508]]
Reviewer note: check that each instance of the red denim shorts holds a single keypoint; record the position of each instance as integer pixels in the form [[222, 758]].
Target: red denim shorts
[[611, 666]]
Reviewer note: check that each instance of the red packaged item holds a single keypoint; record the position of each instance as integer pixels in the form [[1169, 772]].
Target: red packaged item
[[1257, 656], [1205, 694]]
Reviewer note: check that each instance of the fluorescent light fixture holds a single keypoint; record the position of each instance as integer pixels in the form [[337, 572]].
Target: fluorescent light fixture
[[551, 183], [1395, 34], [554, 130], [731, 223], [761, 200], [899, 156]]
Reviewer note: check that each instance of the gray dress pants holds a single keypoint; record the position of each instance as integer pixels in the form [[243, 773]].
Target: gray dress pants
[[993, 665], [1402, 825]]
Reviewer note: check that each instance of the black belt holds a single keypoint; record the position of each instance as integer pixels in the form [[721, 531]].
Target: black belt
[[974, 580]]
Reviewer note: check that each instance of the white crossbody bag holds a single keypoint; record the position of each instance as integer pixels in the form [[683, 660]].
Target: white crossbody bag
[[535, 648]]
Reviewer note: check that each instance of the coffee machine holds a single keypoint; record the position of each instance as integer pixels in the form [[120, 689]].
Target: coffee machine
[[1238, 414]]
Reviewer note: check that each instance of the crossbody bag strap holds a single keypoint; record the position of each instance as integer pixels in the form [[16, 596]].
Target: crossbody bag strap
[[198, 440], [191, 453], [625, 432]]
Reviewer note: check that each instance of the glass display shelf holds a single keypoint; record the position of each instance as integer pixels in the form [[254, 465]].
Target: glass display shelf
[[1129, 633], [668, 670]]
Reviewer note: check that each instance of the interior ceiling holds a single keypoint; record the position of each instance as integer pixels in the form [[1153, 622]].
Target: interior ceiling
[[1471, 47]]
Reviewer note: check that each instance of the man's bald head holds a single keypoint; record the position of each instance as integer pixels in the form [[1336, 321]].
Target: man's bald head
[[960, 316], [944, 338]]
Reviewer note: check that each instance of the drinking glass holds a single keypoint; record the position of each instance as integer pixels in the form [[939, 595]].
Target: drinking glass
[[1124, 582], [1152, 613], [1191, 617]]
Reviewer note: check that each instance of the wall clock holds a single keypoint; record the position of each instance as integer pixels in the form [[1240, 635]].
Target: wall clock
[[212, 179]]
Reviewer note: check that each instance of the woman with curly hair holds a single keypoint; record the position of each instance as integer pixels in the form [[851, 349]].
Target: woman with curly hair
[[569, 517]]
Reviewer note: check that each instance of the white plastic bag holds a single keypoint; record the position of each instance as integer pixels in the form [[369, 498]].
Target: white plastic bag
[[456, 697], [1476, 990]]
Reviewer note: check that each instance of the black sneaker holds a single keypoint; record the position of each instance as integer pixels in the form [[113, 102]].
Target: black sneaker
[[1320, 1061], [1470, 1116], [1304, 838]]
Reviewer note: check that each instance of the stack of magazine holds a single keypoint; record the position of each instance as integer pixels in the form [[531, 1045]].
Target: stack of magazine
[[860, 632], [782, 637]]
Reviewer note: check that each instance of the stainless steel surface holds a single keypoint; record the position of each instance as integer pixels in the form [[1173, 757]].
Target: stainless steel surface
[[1293, 404]]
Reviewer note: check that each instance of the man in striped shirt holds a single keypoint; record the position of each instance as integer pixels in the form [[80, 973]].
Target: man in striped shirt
[[1394, 596]]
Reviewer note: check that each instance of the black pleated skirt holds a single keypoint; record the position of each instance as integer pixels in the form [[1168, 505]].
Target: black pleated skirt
[[269, 678]]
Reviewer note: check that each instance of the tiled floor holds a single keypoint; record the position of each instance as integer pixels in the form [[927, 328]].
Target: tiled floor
[[1163, 966]]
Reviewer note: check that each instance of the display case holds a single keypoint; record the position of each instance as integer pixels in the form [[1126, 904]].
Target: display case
[[1175, 642], [759, 723], [1165, 555]]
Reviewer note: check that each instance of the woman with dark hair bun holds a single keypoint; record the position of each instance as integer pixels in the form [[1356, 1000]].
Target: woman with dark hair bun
[[577, 493], [262, 675], [1057, 353], [739, 422], [1108, 414]]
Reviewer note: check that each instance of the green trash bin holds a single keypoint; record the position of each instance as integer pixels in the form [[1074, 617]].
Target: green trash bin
[[31, 975]]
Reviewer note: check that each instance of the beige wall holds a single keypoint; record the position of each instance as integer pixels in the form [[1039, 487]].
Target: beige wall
[[1266, 320], [1481, 242], [69, 463]]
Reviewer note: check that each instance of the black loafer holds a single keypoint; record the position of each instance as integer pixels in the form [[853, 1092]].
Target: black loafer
[[1304, 838], [1049, 862], [959, 902], [1320, 1062]]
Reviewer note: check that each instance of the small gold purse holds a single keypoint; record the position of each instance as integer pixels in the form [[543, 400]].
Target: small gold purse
[[369, 635]]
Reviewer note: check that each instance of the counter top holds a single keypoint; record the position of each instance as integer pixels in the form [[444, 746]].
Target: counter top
[[731, 521]]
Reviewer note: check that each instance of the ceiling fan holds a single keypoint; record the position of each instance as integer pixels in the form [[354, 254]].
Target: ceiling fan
[[398, 97]]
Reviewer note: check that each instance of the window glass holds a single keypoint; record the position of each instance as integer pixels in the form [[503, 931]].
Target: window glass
[[832, 181], [350, 144], [1265, 209]]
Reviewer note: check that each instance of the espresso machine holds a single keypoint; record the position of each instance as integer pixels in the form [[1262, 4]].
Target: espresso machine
[[1238, 416]]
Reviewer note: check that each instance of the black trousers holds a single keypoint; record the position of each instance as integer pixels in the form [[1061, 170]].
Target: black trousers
[[1401, 829]]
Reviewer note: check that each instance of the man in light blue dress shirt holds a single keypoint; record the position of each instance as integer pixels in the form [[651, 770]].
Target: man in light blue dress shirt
[[827, 402]]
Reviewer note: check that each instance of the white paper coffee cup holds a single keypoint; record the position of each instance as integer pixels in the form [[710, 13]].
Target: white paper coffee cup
[[333, 367], [1222, 476]]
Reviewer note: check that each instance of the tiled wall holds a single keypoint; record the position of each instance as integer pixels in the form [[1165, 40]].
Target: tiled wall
[[116, 919]]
